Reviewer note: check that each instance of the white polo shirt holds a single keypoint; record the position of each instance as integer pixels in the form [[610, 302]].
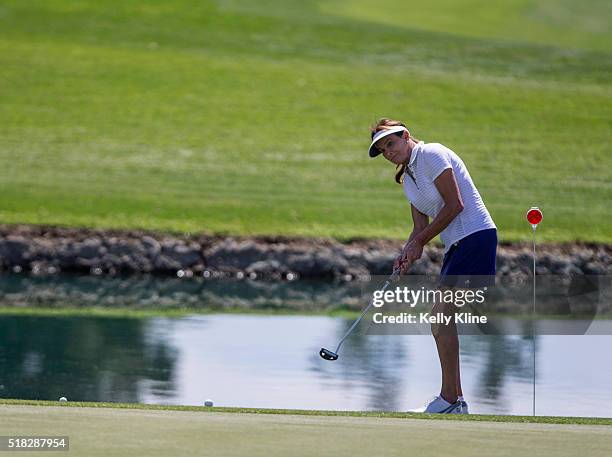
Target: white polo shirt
[[427, 161]]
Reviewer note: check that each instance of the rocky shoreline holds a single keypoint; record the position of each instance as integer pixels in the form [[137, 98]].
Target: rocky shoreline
[[42, 250]]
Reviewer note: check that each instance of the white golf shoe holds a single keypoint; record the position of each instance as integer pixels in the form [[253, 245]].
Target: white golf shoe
[[440, 406], [464, 407]]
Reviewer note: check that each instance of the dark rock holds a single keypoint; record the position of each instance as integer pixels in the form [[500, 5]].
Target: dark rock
[[232, 255], [266, 268], [184, 255], [90, 249], [303, 264], [166, 264], [380, 262], [327, 264], [151, 246], [14, 250], [594, 268]]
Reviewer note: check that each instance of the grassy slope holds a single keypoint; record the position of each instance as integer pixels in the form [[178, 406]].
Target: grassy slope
[[104, 431], [224, 116], [563, 23]]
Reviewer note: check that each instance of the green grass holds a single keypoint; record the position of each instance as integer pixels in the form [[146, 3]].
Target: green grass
[[563, 23], [251, 118], [311, 412], [134, 430], [109, 312], [127, 313]]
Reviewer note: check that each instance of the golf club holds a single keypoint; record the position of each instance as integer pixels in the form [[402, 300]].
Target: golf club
[[329, 355]]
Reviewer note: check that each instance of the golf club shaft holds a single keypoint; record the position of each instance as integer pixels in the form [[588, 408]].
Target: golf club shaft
[[348, 332]]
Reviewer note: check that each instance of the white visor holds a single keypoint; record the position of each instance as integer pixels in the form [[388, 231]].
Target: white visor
[[381, 134]]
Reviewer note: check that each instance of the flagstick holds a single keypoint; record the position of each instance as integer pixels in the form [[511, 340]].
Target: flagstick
[[533, 323], [534, 217]]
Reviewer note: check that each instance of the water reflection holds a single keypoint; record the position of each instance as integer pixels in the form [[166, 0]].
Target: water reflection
[[502, 361], [146, 292], [259, 361], [84, 358], [372, 359], [584, 297]]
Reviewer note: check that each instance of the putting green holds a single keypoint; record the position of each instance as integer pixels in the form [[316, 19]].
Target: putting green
[[133, 432]]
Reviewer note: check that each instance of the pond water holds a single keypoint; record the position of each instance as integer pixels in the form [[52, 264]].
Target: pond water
[[272, 361]]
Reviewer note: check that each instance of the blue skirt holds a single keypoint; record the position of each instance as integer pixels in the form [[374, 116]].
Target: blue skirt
[[470, 262]]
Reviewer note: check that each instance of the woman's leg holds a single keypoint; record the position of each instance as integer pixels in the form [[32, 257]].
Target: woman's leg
[[447, 343], [459, 389]]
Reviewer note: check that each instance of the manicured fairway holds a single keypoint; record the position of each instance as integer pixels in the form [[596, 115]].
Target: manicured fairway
[[251, 117], [110, 432]]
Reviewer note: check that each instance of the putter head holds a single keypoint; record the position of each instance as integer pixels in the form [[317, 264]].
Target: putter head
[[327, 354]]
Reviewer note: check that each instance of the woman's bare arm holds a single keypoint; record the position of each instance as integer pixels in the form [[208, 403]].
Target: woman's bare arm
[[419, 221]]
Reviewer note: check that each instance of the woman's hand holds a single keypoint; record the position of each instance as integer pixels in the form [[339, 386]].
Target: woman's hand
[[413, 250]]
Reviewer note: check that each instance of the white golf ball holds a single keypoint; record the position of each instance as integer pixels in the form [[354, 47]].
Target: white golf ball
[[63, 399], [208, 402]]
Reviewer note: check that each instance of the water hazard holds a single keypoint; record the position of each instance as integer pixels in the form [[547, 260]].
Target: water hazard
[[272, 361]]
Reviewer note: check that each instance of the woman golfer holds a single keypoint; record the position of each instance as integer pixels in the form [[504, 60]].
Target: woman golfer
[[445, 202]]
